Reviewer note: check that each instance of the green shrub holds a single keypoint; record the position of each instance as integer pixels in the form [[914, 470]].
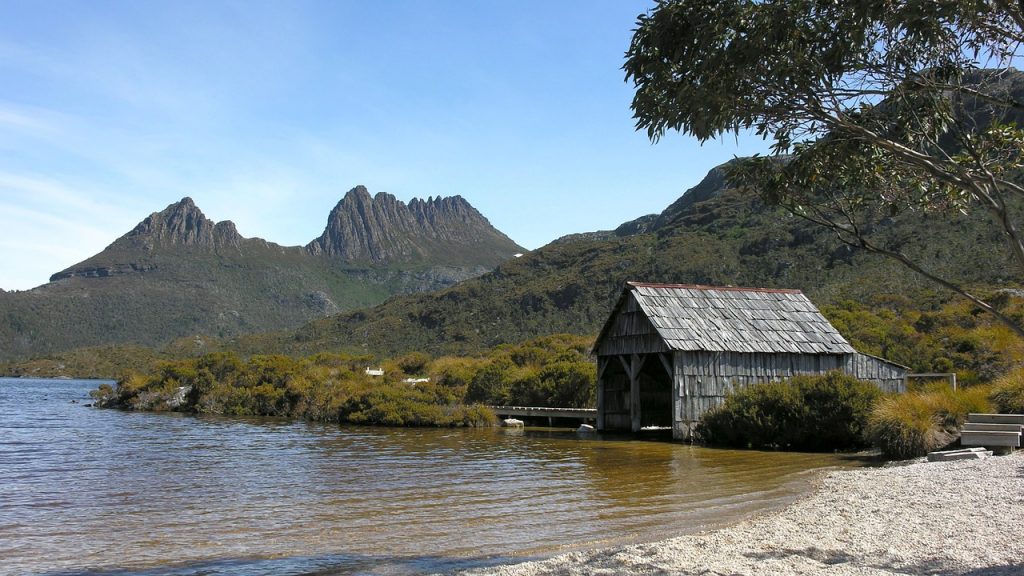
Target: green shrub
[[815, 413], [491, 383], [454, 373], [527, 389], [572, 384], [915, 423], [754, 417], [413, 363], [477, 415], [1008, 393], [406, 406]]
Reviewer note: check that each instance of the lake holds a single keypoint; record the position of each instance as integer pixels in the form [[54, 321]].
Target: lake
[[89, 491]]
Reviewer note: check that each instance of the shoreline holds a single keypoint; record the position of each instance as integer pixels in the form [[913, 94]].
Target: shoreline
[[918, 518]]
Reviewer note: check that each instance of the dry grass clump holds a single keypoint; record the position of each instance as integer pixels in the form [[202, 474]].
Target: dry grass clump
[[912, 424], [1008, 393]]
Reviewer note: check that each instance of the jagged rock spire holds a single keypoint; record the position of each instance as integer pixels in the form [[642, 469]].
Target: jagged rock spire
[[381, 229], [184, 223]]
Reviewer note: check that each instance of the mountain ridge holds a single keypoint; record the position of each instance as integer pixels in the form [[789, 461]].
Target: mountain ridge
[[436, 229], [713, 234], [178, 273]]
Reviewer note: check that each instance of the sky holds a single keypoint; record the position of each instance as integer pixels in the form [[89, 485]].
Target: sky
[[266, 113]]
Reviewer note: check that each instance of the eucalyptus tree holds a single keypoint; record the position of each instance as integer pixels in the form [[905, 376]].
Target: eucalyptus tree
[[874, 108]]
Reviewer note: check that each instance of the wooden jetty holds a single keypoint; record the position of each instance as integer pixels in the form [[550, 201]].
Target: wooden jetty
[[583, 414]]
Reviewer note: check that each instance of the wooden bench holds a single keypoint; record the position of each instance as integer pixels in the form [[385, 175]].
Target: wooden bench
[[985, 427], [990, 439], [976, 418], [992, 430]]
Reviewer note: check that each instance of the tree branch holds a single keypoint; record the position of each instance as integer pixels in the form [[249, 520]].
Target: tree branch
[[860, 241], [1014, 10]]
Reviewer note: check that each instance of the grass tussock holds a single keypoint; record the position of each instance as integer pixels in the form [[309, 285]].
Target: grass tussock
[[1008, 392], [912, 424]]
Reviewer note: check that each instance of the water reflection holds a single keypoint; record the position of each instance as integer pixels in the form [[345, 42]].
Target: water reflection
[[86, 489]]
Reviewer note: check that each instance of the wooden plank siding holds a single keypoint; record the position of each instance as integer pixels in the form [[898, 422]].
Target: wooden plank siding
[[703, 379], [888, 376], [631, 332]]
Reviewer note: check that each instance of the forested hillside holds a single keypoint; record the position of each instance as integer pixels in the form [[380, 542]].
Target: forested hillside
[[713, 235]]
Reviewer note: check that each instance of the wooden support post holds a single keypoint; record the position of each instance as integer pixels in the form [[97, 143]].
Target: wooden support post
[[666, 363], [602, 365], [625, 364], [633, 365], [636, 363]]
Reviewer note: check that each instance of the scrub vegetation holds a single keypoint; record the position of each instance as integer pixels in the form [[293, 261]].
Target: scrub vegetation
[[415, 389], [813, 413], [836, 412], [1008, 393]]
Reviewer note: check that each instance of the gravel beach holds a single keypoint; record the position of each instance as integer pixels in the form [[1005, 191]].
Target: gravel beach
[[942, 518]]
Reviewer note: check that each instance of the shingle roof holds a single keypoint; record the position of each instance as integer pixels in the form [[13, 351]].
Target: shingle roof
[[727, 319]]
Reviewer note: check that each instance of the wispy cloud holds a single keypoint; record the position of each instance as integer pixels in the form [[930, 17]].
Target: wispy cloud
[[18, 120], [49, 226]]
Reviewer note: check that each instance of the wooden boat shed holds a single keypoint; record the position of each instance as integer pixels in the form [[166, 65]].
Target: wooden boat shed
[[670, 352]]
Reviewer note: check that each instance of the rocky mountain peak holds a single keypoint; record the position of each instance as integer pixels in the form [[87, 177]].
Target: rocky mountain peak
[[183, 223], [381, 229]]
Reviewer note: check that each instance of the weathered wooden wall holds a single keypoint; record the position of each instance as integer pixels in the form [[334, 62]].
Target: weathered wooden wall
[[631, 332], [889, 377], [704, 378]]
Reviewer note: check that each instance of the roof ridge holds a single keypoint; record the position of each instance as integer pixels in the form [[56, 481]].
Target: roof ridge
[[707, 287]]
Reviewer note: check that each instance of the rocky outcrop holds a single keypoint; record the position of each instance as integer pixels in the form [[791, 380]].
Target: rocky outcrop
[[384, 230], [183, 223], [101, 271], [641, 225], [321, 303], [712, 184]]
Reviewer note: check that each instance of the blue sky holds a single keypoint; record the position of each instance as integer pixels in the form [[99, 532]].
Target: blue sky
[[266, 113]]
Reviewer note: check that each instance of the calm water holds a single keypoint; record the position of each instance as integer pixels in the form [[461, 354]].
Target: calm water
[[101, 491]]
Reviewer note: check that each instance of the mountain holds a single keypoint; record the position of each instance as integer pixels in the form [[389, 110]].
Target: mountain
[[179, 273], [181, 227], [383, 230], [713, 234]]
